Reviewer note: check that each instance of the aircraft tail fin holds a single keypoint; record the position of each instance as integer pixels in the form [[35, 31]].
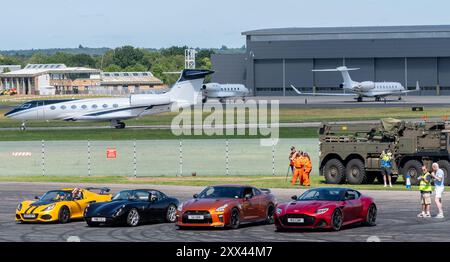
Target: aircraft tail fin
[[187, 90], [348, 82]]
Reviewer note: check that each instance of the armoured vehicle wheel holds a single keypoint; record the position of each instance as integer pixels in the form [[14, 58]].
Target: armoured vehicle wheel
[[355, 172], [333, 172], [413, 168], [445, 166]]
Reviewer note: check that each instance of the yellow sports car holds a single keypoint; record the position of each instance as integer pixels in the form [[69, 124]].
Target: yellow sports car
[[60, 205]]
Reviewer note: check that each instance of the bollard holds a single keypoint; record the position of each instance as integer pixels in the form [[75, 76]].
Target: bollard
[[227, 157], [89, 157], [273, 157], [43, 157], [181, 158], [134, 159]]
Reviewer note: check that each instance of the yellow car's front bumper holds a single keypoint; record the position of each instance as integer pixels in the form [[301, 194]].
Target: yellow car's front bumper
[[48, 216]]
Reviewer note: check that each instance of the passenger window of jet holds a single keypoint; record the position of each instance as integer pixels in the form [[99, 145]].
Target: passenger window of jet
[[63, 107], [105, 105], [53, 107], [94, 106], [74, 107], [84, 106], [115, 105]]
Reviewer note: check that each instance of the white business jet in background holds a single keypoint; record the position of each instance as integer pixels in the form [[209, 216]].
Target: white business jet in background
[[224, 91], [184, 93], [378, 90]]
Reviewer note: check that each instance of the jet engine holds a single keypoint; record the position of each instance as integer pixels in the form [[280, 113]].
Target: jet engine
[[365, 86]]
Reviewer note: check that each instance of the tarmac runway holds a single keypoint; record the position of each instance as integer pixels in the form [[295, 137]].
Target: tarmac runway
[[397, 221]]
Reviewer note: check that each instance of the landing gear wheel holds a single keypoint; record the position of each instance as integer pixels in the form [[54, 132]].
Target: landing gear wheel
[[333, 171], [400, 98], [133, 218], [204, 99], [337, 220], [171, 215], [235, 220], [445, 166], [120, 125], [359, 99], [64, 215], [371, 216], [355, 172], [414, 169], [23, 127]]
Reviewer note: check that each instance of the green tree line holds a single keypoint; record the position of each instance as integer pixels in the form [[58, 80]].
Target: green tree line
[[126, 58]]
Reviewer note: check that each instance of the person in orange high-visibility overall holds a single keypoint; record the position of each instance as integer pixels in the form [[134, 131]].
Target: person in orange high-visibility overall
[[306, 170], [297, 160]]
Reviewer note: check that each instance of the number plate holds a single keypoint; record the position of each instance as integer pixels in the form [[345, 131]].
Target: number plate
[[29, 216], [98, 219], [296, 220], [196, 217]]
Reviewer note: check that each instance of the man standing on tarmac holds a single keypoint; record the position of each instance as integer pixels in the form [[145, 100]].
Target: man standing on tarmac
[[291, 157], [298, 165], [306, 170], [438, 177], [386, 167], [425, 192]]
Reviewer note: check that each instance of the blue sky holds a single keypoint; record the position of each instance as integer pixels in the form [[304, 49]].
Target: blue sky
[[35, 24]]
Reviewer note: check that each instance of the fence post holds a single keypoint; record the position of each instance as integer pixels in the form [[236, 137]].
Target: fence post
[[89, 157], [43, 157], [134, 159], [227, 157], [273, 157], [181, 158]]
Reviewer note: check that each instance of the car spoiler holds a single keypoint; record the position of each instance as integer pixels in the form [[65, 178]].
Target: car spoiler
[[103, 190], [265, 190]]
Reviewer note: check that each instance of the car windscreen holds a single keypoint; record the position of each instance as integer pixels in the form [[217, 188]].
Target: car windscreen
[[221, 192], [131, 195], [55, 196], [323, 194]]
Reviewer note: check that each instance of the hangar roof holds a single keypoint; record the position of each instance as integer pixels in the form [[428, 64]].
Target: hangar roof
[[359, 32]]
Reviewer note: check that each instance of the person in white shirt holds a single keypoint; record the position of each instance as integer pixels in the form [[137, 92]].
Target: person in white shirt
[[438, 176]]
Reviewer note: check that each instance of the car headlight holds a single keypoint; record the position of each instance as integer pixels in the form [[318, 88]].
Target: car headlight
[[221, 208], [279, 211], [180, 207], [19, 206], [48, 208], [321, 211]]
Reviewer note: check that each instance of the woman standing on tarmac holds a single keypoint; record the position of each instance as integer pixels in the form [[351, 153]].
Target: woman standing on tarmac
[[386, 166]]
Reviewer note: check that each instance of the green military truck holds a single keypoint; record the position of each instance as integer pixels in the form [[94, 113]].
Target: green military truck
[[351, 152]]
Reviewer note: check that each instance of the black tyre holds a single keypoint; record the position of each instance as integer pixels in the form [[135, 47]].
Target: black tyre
[[445, 166], [414, 169], [371, 216], [269, 217], [333, 171], [235, 219], [337, 219], [171, 214], [133, 218], [355, 172], [64, 215]]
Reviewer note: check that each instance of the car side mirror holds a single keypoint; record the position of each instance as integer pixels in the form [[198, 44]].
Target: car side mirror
[[36, 197], [294, 197], [195, 195]]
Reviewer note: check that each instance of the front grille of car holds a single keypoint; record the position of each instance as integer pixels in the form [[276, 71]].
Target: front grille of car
[[308, 220], [207, 217]]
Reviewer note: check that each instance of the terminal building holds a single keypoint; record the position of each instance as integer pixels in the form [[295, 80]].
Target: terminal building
[[275, 59], [51, 79]]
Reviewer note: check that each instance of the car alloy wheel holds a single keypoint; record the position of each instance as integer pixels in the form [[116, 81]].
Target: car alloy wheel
[[133, 217], [64, 215], [337, 220], [270, 212], [235, 220], [171, 213], [371, 215]]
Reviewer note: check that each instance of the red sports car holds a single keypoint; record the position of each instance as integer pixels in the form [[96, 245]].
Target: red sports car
[[327, 208]]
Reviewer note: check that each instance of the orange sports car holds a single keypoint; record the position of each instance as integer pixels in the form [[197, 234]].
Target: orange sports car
[[227, 206]]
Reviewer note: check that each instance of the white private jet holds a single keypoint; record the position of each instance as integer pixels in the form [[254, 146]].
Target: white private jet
[[184, 93], [378, 90], [224, 91]]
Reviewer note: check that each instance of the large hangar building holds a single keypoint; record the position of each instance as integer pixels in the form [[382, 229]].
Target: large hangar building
[[275, 59]]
